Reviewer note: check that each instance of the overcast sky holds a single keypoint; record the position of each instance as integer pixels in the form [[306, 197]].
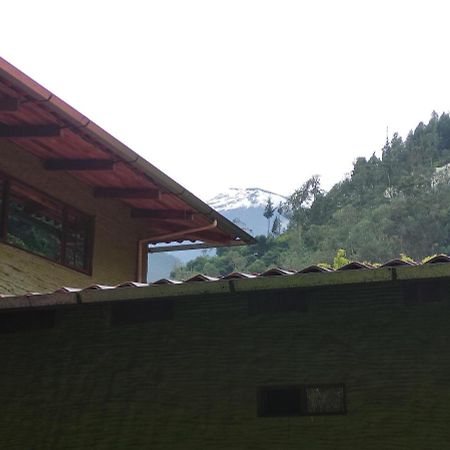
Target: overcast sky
[[240, 93]]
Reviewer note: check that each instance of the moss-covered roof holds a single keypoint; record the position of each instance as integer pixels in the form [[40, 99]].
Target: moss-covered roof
[[237, 282]]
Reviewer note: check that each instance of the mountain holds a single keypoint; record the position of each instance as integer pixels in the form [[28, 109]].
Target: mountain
[[245, 207], [160, 265], [235, 198], [395, 203]]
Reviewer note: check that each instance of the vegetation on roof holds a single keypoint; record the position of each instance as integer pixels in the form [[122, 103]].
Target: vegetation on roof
[[395, 203]]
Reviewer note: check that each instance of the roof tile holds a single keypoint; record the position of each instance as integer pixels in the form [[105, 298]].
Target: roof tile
[[356, 265], [276, 271], [131, 284], [315, 269], [201, 277], [98, 287], [67, 289], [166, 281], [238, 276], [396, 262], [438, 259]]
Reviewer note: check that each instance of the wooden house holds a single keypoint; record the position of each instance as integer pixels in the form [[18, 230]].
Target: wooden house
[[78, 207], [94, 357]]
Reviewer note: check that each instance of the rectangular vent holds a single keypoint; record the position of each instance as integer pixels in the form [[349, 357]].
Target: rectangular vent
[[301, 400], [425, 291], [141, 311], [276, 302], [279, 402], [16, 321], [324, 399]]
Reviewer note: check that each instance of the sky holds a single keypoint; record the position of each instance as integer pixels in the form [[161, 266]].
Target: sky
[[244, 93]]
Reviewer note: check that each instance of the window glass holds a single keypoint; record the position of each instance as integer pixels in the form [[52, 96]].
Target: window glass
[[41, 225], [76, 240], [34, 222]]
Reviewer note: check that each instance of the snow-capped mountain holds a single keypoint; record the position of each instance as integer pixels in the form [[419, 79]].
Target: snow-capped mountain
[[245, 207], [234, 198]]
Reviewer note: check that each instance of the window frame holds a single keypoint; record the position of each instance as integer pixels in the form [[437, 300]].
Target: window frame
[[5, 196], [301, 390]]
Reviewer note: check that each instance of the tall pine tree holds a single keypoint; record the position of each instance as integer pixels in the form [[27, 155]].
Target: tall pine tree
[[269, 211]]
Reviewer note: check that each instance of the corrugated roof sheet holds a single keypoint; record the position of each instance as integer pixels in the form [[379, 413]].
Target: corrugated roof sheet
[[276, 271]]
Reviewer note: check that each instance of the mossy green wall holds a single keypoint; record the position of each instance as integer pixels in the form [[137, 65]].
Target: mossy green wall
[[190, 383], [116, 234]]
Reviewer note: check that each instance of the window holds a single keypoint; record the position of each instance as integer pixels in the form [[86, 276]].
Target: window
[[301, 400], [41, 225]]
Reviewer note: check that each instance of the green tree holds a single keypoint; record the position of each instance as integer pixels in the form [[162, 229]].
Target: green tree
[[276, 226], [269, 211], [340, 259], [388, 205]]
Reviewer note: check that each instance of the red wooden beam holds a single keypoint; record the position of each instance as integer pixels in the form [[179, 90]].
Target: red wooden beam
[[78, 164], [118, 192], [164, 226], [169, 214], [29, 131], [209, 236], [9, 104]]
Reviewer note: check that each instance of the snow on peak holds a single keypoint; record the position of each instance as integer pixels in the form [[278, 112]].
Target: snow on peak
[[234, 198]]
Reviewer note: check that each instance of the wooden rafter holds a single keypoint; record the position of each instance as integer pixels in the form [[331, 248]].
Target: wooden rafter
[[208, 236], [29, 131], [169, 214], [119, 192], [78, 164], [9, 104]]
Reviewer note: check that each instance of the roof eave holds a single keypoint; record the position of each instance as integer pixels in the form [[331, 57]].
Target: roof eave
[[72, 116]]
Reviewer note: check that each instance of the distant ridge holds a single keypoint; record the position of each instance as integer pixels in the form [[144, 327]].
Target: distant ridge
[[234, 198], [245, 207]]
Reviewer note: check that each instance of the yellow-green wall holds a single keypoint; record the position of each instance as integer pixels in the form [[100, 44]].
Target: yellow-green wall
[[115, 240], [190, 383]]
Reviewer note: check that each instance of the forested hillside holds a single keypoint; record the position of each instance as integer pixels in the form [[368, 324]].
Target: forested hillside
[[392, 204]]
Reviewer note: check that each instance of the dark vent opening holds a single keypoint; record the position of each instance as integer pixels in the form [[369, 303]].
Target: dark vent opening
[[425, 291], [15, 321], [141, 311], [277, 301], [275, 402], [309, 400]]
